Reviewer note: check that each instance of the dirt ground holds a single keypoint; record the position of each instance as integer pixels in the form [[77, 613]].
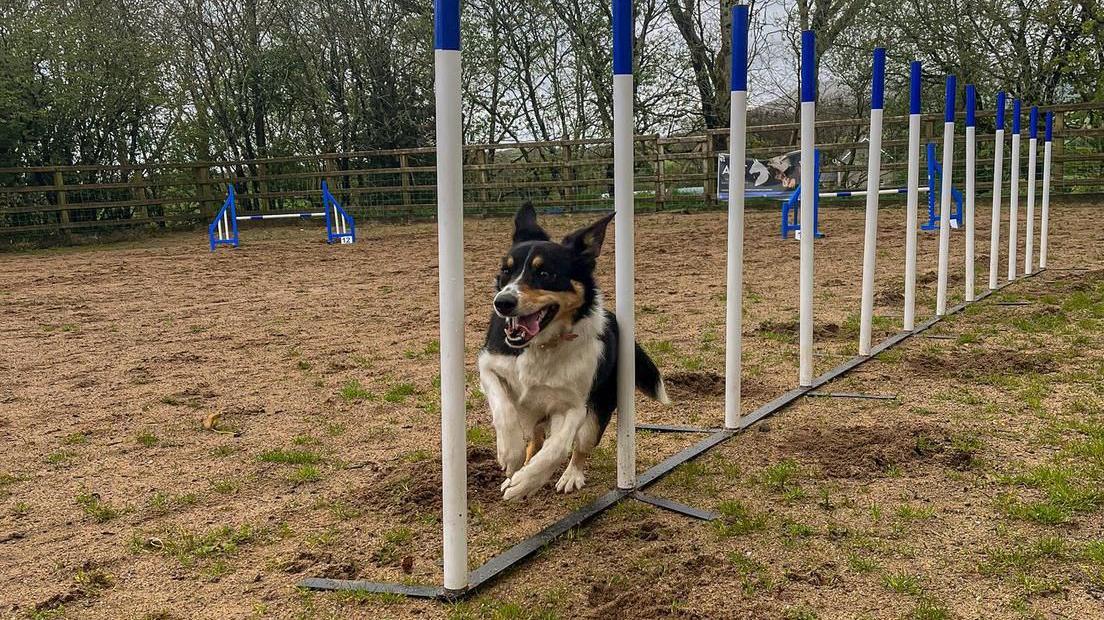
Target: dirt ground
[[975, 492]]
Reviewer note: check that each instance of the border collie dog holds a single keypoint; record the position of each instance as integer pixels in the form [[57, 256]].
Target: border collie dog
[[549, 366]]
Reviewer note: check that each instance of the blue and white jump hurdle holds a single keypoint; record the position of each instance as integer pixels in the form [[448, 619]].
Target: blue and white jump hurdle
[[223, 230]]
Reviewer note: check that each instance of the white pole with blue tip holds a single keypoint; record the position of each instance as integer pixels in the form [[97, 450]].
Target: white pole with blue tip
[[913, 196], [971, 169], [873, 181], [945, 197], [1014, 190], [1044, 218], [450, 248], [1032, 155], [808, 205], [998, 165], [623, 247], [737, 144]]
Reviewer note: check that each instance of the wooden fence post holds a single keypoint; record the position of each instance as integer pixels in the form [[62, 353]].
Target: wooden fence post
[[485, 179], [567, 175], [201, 174], [262, 187], [62, 202], [404, 179], [138, 178], [1058, 149], [661, 176], [709, 186]]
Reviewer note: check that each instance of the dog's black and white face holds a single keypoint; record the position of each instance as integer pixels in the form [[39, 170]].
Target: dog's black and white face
[[544, 287]]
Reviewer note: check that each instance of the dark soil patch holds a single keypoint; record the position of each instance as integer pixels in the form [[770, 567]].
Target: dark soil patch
[[865, 451], [414, 488], [684, 385], [789, 329], [974, 364], [930, 277], [889, 297]]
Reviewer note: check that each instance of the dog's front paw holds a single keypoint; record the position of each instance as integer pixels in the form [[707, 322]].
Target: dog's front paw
[[571, 480], [521, 484]]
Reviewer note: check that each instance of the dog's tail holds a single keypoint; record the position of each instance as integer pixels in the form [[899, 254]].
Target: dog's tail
[[648, 379]]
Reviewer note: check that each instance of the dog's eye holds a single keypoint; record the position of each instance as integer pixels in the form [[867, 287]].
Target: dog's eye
[[543, 274], [505, 269]]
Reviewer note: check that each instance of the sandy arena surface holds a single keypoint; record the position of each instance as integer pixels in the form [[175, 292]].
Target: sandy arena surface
[[320, 364]]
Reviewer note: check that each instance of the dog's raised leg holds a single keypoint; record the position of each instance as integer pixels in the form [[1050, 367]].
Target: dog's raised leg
[[586, 439], [557, 446], [509, 438]]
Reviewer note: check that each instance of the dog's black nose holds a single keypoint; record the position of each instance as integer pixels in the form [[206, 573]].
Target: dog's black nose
[[505, 304]]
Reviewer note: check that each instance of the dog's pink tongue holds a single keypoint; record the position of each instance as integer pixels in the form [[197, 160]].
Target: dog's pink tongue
[[531, 323]]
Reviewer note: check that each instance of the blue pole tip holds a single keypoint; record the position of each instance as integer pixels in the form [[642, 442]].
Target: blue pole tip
[[622, 37], [914, 87], [446, 24], [1016, 114], [739, 47], [949, 107], [808, 66], [1034, 121], [1049, 126], [877, 90], [971, 104], [1002, 100]]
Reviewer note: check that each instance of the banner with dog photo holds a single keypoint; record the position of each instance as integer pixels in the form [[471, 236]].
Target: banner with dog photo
[[764, 178]]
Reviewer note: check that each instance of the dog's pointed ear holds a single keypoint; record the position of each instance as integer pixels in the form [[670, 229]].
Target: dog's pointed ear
[[587, 241], [526, 227]]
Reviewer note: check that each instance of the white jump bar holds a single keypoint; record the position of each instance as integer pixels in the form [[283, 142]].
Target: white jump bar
[[279, 216]]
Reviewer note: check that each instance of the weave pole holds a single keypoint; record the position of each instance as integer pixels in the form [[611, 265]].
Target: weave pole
[[450, 248], [873, 182], [1014, 190], [913, 196], [945, 197], [1032, 153], [998, 165], [737, 144], [1044, 218], [971, 169], [808, 204], [623, 247]]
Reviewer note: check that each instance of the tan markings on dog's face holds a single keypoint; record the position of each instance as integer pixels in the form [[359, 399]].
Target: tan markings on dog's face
[[510, 262], [531, 300], [537, 262]]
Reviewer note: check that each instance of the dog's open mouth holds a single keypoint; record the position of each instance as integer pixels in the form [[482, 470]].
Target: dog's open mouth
[[522, 329]]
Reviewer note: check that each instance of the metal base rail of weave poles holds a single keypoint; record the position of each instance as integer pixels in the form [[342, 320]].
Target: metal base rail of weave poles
[[525, 549]]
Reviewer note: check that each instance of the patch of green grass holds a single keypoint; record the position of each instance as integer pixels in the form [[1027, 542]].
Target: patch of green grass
[[225, 486], [147, 439], [305, 473], [903, 583], [291, 457], [394, 545], [189, 547], [737, 520], [416, 456], [354, 391], [305, 440], [1067, 491], [861, 564], [334, 429], [60, 457], [794, 530], [1041, 321], [303, 365], [754, 576], [97, 509], [800, 612], [967, 338], [1093, 552], [92, 581], [794, 493], [778, 476], [480, 436], [75, 439], [689, 475], [397, 393], [929, 609], [20, 509], [692, 363], [906, 512], [162, 502]]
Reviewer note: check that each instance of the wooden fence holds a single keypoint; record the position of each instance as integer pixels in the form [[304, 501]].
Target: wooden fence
[[58, 203]]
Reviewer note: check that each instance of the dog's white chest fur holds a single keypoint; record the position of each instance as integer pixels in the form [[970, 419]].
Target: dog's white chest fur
[[545, 380]]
